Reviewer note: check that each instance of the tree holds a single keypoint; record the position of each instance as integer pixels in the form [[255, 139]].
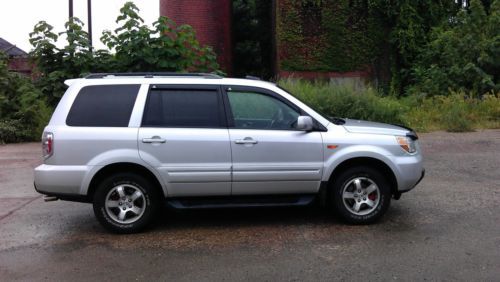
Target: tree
[[130, 48], [462, 54]]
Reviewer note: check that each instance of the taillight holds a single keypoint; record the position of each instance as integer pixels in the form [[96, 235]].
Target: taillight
[[47, 144]]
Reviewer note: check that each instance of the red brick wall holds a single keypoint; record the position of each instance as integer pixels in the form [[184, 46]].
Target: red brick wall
[[211, 20], [21, 65]]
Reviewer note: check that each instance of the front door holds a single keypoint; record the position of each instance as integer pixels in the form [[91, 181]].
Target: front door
[[185, 137], [270, 156]]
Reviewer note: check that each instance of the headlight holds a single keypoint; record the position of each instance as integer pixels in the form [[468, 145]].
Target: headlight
[[407, 144]]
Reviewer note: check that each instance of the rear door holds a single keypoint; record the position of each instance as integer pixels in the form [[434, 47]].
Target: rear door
[[270, 156], [185, 137]]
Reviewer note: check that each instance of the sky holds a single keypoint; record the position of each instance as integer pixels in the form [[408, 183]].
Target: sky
[[18, 17]]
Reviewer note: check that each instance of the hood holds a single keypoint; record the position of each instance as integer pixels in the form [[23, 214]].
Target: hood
[[369, 127]]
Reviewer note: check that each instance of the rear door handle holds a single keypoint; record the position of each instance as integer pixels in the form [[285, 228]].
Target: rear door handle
[[154, 139], [246, 140]]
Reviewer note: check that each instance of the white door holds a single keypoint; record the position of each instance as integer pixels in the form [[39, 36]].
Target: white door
[[270, 156], [185, 137]]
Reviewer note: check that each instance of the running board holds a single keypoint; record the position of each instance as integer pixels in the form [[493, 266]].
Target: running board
[[240, 201]]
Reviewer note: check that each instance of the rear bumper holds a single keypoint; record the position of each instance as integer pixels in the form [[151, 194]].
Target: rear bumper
[[65, 180]]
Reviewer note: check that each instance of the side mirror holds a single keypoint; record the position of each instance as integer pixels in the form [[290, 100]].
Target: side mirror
[[305, 123]]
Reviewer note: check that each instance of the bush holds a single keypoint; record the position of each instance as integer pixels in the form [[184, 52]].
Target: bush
[[456, 112], [23, 110], [346, 101]]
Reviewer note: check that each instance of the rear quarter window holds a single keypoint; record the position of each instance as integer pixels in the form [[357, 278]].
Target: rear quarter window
[[103, 106]]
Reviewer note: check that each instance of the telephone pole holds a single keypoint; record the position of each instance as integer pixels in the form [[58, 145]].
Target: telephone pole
[[89, 18], [70, 8]]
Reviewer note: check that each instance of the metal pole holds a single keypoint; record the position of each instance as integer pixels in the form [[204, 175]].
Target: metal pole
[[70, 8], [89, 17]]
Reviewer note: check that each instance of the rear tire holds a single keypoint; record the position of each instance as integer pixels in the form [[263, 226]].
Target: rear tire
[[360, 195], [126, 203]]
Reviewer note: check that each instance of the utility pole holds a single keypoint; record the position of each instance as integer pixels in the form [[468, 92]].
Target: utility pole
[[89, 18], [70, 9]]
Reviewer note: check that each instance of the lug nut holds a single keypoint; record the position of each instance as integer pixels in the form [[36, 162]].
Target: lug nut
[[123, 208], [364, 199], [119, 203]]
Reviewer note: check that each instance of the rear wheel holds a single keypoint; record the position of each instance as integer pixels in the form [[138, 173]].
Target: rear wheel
[[125, 203], [360, 195]]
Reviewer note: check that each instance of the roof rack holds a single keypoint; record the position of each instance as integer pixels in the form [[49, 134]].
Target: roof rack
[[252, 77], [153, 74]]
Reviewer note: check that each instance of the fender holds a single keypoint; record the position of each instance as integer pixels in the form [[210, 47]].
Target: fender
[[357, 151], [113, 157]]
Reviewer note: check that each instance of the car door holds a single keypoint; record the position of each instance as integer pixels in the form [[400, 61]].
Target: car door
[[270, 156], [184, 136]]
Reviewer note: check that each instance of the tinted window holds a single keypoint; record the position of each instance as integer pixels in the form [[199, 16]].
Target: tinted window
[[259, 111], [182, 108], [103, 105]]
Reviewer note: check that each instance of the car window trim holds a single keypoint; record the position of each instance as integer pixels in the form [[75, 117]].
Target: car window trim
[[97, 85], [211, 87], [267, 92]]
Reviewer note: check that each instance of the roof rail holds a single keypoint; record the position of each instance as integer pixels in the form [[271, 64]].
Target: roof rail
[[153, 74], [252, 77]]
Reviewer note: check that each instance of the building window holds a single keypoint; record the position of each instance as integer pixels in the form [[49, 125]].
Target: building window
[[311, 17]]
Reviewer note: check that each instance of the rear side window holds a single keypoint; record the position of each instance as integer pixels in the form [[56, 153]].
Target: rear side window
[[103, 106], [183, 108]]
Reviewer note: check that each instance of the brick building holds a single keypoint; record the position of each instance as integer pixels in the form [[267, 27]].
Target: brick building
[[211, 19], [298, 37], [17, 59]]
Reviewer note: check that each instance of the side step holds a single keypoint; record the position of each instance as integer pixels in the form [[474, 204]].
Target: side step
[[240, 201]]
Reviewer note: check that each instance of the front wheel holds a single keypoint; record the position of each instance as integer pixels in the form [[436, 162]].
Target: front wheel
[[361, 195], [125, 203]]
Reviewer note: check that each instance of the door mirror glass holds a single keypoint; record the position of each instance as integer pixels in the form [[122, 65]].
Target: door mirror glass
[[305, 123]]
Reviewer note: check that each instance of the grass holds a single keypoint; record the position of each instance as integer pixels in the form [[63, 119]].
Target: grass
[[455, 112]]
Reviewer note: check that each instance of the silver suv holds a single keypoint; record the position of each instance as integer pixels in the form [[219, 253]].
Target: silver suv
[[129, 143]]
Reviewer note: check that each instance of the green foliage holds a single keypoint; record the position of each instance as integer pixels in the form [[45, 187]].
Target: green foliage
[[131, 47], [345, 101], [23, 111], [384, 36], [463, 54], [454, 112], [327, 35]]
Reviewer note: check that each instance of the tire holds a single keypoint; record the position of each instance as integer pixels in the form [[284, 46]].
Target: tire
[[129, 209], [365, 207]]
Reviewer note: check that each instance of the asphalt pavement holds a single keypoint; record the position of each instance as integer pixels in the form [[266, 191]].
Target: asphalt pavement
[[448, 228]]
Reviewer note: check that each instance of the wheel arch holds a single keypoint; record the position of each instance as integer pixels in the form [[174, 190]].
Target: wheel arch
[[110, 169], [367, 161]]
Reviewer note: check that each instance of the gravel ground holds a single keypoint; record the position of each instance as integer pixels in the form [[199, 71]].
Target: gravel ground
[[448, 228]]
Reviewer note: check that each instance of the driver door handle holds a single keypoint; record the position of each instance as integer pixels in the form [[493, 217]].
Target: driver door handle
[[154, 139], [246, 140]]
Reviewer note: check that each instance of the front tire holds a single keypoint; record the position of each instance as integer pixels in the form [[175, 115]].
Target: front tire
[[360, 195], [125, 203]]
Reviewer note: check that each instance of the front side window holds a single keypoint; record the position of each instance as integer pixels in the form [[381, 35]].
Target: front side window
[[182, 108], [253, 110], [103, 106]]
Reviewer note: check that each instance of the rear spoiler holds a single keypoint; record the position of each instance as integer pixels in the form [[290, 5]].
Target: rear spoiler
[[69, 82]]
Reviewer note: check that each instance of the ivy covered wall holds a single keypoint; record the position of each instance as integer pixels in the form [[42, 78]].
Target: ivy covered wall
[[328, 35]]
